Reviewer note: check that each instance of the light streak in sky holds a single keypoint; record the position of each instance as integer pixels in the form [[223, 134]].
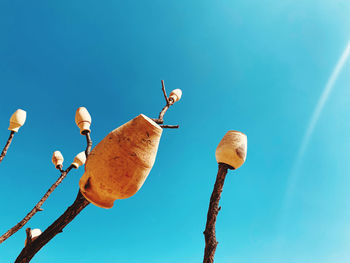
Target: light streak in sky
[[293, 178]]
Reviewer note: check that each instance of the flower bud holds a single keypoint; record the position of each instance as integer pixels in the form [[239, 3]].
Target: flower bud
[[79, 160], [175, 95], [232, 149], [57, 159], [17, 120], [83, 120]]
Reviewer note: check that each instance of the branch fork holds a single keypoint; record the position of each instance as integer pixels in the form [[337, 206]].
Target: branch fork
[[169, 102], [36, 208]]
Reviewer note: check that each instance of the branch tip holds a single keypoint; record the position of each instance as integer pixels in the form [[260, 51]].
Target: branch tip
[[164, 93], [169, 126]]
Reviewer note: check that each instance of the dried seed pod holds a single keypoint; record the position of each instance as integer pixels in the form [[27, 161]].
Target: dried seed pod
[[79, 160], [17, 120], [118, 166], [57, 159], [232, 149], [83, 120], [175, 95]]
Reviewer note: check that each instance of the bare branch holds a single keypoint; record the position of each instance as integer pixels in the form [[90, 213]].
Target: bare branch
[[169, 126], [209, 232], [36, 208], [169, 102], [161, 114], [164, 92], [7, 146]]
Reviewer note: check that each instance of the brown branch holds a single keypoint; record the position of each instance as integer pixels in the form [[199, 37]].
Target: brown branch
[[88, 143], [164, 92], [29, 251], [169, 126], [209, 232], [36, 208], [29, 236], [7, 146], [169, 102], [161, 114]]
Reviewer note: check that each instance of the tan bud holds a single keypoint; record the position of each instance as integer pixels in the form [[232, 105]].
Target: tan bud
[[57, 158], [232, 149], [83, 119], [17, 120], [175, 95], [79, 160]]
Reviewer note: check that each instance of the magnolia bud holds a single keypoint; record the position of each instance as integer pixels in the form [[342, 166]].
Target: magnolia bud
[[57, 159], [17, 120], [83, 120], [232, 149], [79, 160], [175, 95]]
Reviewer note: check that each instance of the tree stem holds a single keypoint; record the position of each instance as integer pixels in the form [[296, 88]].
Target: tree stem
[[29, 251], [209, 232]]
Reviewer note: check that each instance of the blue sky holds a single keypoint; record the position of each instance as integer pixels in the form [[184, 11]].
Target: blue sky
[[259, 67]]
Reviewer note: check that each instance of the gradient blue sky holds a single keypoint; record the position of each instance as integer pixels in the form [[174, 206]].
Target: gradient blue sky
[[259, 67]]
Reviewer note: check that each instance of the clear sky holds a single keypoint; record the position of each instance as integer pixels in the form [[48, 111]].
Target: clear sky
[[259, 67]]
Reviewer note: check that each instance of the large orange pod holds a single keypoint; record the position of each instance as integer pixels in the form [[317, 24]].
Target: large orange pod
[[118, 166]]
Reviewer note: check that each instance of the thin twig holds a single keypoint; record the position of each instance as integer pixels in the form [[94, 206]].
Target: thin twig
[[36, 208], [161, 114], [7, 146], [169, 126], [169, 102], [209, 232], [164, 92]]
